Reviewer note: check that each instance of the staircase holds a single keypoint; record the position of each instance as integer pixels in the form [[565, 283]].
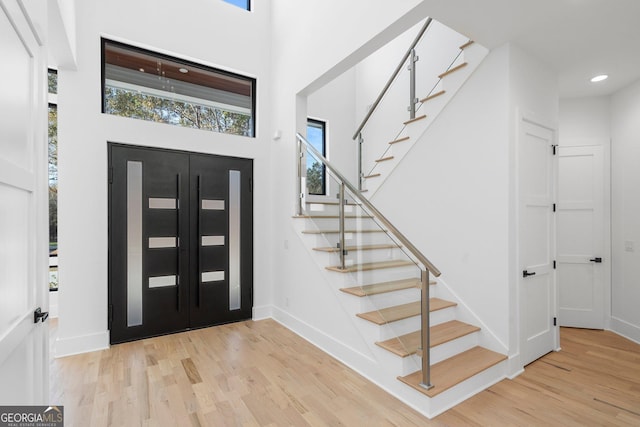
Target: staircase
[[380, 286], [425, 346], [392, 150]]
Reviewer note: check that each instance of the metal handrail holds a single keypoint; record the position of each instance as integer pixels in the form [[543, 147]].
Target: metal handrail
[[392, 78], [372, 209]]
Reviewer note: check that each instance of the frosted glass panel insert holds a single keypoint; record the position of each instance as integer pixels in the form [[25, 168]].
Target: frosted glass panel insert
[[212, 205], [134, 243], [162, 281], [14, 256], [234, 240], [162, 242], [212, 276], [212, 240], [160, 203]]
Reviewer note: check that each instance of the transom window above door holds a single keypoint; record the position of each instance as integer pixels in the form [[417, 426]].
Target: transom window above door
[[145, 85]]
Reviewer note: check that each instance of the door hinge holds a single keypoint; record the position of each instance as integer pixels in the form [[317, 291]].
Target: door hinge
[[555, 321], [250, 185], [554, 264], [111, 175], [110, 316], [554, 207], [555, 149]]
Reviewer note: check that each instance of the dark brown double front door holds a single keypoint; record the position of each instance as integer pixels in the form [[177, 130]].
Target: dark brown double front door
[[180, 241]]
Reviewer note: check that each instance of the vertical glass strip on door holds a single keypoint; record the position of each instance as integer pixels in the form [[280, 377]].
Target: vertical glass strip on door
[[134, 243], [234, 240]]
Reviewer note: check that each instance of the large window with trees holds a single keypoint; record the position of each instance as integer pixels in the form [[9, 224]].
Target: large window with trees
[[145, 85], [316, 171]]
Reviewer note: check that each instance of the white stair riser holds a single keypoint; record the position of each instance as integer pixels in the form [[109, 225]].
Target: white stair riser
[[401, 327], [351, 239], [384, 274], [349, 224], [389, 299], [359, 257], [451, 348]]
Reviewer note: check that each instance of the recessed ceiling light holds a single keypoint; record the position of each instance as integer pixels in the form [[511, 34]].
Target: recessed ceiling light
[[599, 78], [183, 70]]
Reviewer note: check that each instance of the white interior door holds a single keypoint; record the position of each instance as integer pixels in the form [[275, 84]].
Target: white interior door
[[536, 244], [24, 353], [581, 250]]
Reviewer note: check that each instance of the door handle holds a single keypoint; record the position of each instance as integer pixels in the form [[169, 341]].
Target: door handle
[[38, 315], [596, 260], [525, 273]]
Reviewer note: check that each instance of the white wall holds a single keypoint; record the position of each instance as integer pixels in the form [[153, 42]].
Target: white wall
[[585, 121], [457, 213], [625, 211], [168, 27], [335, 105]]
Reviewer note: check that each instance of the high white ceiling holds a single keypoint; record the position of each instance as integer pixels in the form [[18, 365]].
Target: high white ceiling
[[577, 38]]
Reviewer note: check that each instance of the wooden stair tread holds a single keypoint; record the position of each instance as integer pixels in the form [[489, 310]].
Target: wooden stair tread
[[453, 70], [383, 287], [357, 248], [395, 141], [384, 159], [424, 116], [454, 370], [337, 231], [433, 95], [467, 44], [370, 266], [408, 344], [403, 311], [373, 175]]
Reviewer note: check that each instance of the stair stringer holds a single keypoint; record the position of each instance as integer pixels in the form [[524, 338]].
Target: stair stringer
[[473, 55], [380, 366]]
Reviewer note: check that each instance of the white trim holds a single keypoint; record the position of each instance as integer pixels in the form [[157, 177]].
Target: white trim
[[81, 344], [625, 329]]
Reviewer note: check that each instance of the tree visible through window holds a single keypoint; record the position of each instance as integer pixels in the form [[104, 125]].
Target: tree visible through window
[[53, 179], [316, 173], [154, 87]]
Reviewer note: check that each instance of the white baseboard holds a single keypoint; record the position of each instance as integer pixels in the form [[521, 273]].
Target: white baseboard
[[625, 329], [262, 312], [81, 344]]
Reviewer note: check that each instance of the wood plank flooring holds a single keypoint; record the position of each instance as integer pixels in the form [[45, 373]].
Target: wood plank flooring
[[261, 374]]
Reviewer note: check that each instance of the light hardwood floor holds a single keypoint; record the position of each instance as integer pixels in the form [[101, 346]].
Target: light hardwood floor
[[261, 374]]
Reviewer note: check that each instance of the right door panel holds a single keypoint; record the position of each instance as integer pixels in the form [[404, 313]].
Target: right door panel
[[581, 237], [222, 250]]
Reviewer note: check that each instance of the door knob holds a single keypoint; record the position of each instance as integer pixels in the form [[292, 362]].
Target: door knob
[[525, 273], [40, 315], [597, 260]]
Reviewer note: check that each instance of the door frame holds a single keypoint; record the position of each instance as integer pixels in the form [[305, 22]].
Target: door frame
[[110, 301], [518, 266]]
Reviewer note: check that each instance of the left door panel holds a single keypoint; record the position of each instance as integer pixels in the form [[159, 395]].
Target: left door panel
[[24, 349], [149, 229]]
